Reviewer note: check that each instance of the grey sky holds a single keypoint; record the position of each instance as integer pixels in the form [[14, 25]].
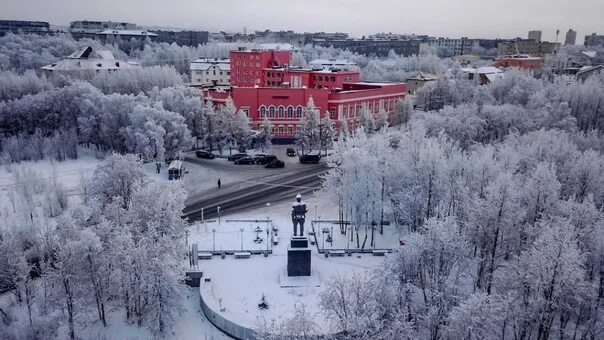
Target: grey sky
[[453, 18]]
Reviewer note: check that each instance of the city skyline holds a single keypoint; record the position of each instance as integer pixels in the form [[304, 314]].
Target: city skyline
[[471, 19]]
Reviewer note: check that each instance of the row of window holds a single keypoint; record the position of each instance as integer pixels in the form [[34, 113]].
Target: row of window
[[245, 72], [214, 73], [281, 111], [245, 63], [251, 56], [326, 78], [351, 111], [284, 130]]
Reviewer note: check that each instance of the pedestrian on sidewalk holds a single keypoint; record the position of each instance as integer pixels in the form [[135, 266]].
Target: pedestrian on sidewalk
[[219, 183]]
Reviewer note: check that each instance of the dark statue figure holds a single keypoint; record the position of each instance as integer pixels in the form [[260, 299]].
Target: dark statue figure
[[299, 215]]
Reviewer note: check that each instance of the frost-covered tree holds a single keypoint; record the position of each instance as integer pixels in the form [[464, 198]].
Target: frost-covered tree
[[367, 121], [308, 134], [327, 132]]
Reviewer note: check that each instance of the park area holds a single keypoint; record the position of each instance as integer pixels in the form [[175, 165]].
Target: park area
[[235, 285]]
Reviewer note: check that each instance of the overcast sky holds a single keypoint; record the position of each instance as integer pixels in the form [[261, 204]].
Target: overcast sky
[[452, 18]]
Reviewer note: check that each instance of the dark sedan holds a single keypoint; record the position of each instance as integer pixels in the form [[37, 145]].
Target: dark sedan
[[265, 159], [204, 154], [245, 160], [237, 156], [277, 163], [310, 159]]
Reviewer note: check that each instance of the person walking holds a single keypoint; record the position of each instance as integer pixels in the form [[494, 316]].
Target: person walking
[[219, 183]]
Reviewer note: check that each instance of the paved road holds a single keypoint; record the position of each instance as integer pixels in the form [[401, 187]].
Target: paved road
[[267, 185]]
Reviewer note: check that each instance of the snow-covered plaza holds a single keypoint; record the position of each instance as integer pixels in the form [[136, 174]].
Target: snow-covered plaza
[[233, 287]]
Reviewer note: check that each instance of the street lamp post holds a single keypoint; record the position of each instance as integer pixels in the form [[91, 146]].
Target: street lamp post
[[241, 230], [214, 239], [268, 215]]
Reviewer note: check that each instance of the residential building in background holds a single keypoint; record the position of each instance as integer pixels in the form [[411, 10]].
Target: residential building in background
[[22, 26], [594, 40], [533, 48], [571, 37], [589, 71], [418, 81], [183, 38], [90, 25], [373, 47], [111, 35], [211, 72], [521, 61], [483, 75], [453, 47], [266, 87], [535, 35], [333, 64], [310, 37]]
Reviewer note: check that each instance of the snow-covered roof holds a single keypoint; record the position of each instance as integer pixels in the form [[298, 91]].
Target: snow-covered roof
[[423, 76], [493, 76], [92, 64], [176, 164], [586, 69], [520, 56], [333, 64], [277, 47], [203, 64], [80, 61], [591, 54], [488, 70], [128, 32]]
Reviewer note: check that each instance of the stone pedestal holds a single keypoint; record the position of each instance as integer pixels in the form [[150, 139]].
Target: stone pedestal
[[298, 257]]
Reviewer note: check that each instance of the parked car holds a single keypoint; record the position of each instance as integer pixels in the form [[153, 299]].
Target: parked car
[[276, 163], [265, 159], [245, 160], [204, 154], [310, 159], [258, 156], [236, 156], [291, 152]]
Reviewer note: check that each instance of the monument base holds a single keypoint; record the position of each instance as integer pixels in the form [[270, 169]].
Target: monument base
[[298, 257], [286, 281]]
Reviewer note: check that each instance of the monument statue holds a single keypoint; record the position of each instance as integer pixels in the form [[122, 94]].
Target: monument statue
[[299, 215]]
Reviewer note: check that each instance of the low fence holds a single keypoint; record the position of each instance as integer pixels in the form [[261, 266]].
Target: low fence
[[348, 251], [228, 327]]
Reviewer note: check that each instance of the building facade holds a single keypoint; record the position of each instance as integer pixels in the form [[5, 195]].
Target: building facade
[[247, 65], [280, 93], [373, 47], [571, 37], [534, 48], [454, 47], [535, 35], [594, 40], [418, 81], [211, 72], [524, 62], [183, 38], [90, 25], [333, 64], [21, 26]]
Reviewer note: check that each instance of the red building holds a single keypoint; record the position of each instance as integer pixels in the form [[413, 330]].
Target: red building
[[280, 93], [524, 62], [247, 65]]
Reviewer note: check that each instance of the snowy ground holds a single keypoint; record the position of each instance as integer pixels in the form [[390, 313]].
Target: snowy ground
[[192, 326], [238, 284]]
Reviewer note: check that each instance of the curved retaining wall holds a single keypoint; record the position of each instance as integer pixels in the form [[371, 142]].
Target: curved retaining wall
[[230, 328]]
